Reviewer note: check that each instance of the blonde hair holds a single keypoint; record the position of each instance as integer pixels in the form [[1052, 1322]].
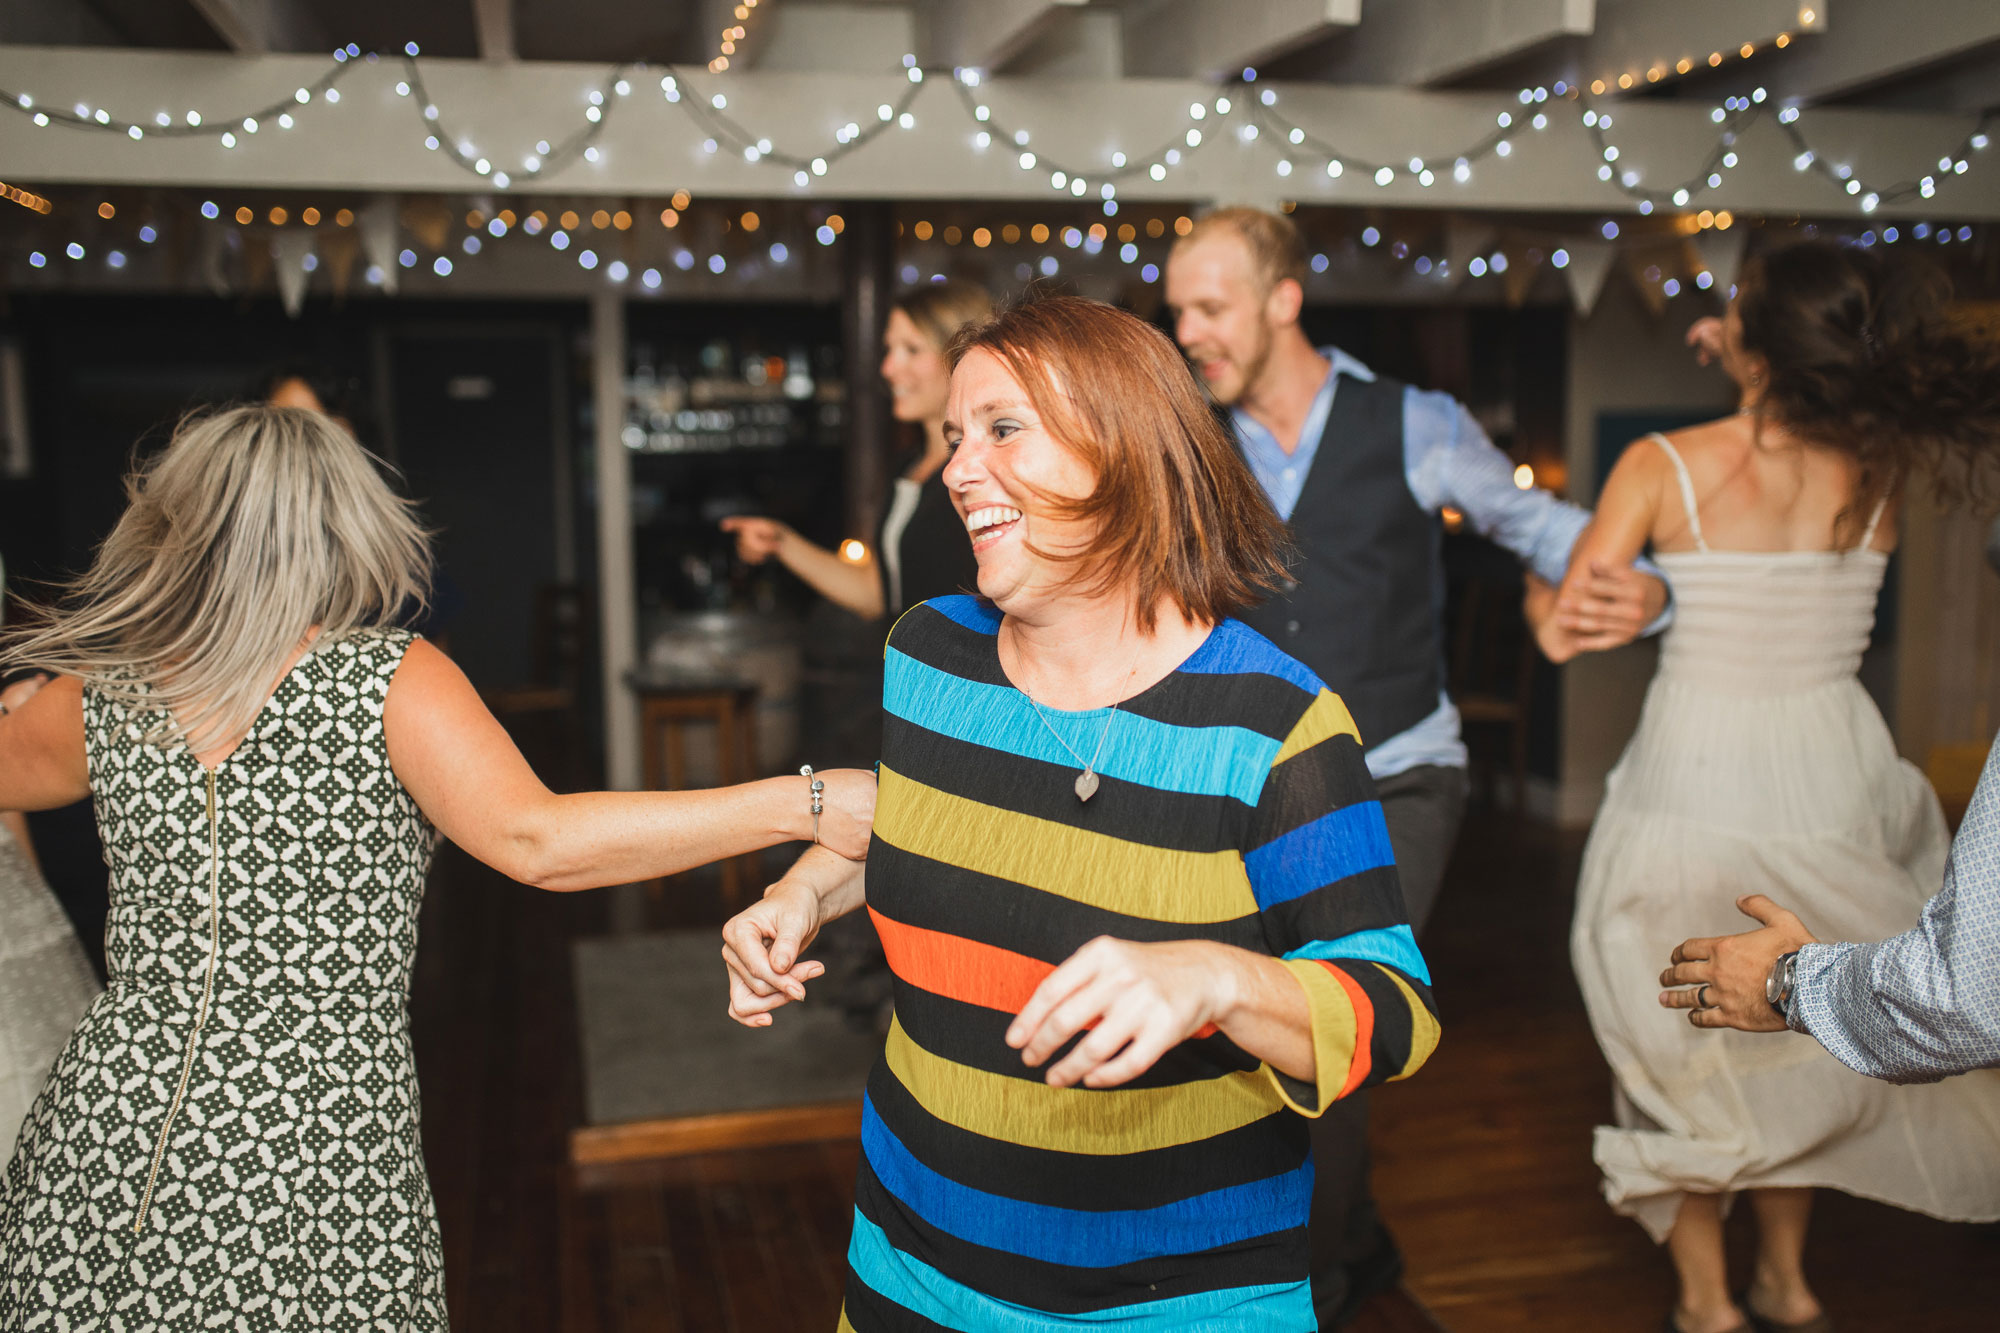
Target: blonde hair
[[943, 308], [251, 527], [1277, 251]]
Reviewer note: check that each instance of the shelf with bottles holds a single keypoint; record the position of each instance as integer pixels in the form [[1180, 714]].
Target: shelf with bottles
[[720, 380]]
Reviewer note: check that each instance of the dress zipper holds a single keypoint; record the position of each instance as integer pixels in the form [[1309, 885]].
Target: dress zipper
[[201, 1014]]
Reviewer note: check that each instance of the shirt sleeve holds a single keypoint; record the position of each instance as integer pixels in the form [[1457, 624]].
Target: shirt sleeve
[[1450, 461], [1925, 1004], [1319, 862]]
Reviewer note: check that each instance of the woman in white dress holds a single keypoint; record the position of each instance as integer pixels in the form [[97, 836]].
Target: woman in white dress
[[1760, 765], [45, 980]]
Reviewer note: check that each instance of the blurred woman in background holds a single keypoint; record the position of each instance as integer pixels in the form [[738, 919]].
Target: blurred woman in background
[[230, 1134], [45, 979], [921, 551], [1760, 765]]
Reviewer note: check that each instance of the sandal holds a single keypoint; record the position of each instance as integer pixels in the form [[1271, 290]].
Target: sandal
[[1819, 1323], [1748, 1325]]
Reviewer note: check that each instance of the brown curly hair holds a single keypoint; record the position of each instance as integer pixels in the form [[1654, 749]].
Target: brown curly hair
[[1862, 359]]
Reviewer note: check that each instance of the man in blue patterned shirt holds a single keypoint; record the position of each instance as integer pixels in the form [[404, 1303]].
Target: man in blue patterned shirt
[[1913, 1009]]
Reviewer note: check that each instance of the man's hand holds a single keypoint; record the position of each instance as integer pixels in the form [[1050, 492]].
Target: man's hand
[[757, 539], [761, 947], [1726, 975], [1705, 336], [1609, 607], [1139, 1000]]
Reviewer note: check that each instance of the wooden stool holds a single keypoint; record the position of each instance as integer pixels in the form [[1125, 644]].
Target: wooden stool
[[670, 700]]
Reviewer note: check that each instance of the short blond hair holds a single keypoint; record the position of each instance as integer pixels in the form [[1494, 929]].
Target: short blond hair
[[1277, 251]]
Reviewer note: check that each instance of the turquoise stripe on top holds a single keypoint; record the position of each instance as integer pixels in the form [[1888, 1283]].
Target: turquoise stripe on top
[[922, 1290], [1394, 945], [1201, 761]]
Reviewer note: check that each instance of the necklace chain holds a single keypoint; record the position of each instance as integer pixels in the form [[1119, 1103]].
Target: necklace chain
[[1086, 782]]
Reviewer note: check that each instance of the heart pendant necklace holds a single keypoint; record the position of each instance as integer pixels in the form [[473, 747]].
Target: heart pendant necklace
[[1086, 781]]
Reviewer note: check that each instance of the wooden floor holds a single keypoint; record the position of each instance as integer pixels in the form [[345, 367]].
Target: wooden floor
[[1483, 1159]]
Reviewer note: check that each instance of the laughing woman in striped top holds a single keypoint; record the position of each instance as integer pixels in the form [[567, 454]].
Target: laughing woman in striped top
[[1128, 869]]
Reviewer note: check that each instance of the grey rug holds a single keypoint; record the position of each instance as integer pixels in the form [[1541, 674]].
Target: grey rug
[[657, 1042]]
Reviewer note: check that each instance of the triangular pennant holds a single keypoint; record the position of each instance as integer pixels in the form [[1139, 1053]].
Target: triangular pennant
[[1589, 265], [215, 258], [378, 239], [291, 253], [1722, 255], [342, 248], [1649, 289], [1463, 240], [256, 263], [430, 220], [1523, 267]]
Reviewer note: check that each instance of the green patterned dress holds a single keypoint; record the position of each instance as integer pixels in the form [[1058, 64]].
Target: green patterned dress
[[229, 1140]]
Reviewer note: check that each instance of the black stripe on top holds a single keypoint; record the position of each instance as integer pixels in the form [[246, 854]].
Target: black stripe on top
[[991, 910], [976, 1037]]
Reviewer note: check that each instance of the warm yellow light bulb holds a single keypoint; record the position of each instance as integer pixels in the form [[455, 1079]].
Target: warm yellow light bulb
[[853, 550], [1524, 477]]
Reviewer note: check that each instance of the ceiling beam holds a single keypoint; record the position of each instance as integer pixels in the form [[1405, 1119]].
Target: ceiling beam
[[1424, 45], [373, 139], [264, 27], [1211, 39], [494, 22], [1644, 38], [1868, 44], [986, 35]]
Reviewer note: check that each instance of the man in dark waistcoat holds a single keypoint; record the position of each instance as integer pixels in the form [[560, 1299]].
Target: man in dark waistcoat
[[1360, 466]]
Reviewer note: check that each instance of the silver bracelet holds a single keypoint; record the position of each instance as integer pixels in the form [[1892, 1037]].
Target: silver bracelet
[[815, 788]]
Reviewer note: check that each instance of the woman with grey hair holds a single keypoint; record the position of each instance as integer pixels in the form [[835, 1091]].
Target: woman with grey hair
[[230, 1135]]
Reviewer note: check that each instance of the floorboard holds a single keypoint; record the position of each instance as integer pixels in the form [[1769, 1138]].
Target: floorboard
[[1483, 1159]]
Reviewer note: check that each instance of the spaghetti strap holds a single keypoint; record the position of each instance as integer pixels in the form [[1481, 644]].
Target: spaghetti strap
[[1687, 492], [1868, 537]]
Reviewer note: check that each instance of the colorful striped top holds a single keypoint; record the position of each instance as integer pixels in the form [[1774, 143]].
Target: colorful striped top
[[1235, 807]]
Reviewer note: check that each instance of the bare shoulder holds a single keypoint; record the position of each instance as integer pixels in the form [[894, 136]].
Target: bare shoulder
[[1706, 444], [424, 679]]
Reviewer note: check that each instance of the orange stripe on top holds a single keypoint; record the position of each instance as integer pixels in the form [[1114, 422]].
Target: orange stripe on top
[[966, 970], [958, 968], [1364, 1028]]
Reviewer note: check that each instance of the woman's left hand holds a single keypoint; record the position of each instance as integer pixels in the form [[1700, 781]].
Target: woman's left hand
[[1139, 1000]]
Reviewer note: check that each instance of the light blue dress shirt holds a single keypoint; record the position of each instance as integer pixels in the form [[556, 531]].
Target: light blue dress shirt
[[1447, 460], [1925, 1004]]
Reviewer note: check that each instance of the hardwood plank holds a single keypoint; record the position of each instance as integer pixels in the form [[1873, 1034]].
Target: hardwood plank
[[681, 1136]]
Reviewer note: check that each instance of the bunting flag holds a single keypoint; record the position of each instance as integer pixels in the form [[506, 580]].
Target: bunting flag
[[291, 256], [378, 239], [1520, 274], [1636, 262], [1722, 255], [1589, 266], [215, 244], [342, 248], [430, 221], [1464, 240]]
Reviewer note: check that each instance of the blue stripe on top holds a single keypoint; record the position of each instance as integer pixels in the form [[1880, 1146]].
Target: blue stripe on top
[[1340, 843], [1234, 648], [917, 1287], [1076, 1237], [1202, 761], [1394, 945], [975, 613]]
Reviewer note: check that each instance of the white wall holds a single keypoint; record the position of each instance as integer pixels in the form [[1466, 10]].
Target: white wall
[[1621, 359]]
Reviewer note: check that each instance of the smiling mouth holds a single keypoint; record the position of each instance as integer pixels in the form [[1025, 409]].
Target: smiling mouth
[[989, 523]]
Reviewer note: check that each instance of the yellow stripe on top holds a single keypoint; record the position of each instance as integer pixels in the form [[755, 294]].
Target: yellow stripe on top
[[1326, 718], [1424, 1027], [1076, 1120], [1115, 874]]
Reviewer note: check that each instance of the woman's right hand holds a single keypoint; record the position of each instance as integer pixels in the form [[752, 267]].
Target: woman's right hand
[[761, 947], [757, 539], [848, 816]]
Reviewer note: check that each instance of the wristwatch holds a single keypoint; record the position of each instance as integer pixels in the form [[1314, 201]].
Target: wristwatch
[[1778, 986]]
